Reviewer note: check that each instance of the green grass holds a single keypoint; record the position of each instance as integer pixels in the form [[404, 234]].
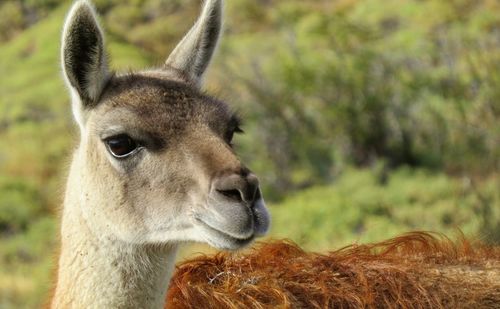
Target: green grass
[[359, 208], [26, 265]]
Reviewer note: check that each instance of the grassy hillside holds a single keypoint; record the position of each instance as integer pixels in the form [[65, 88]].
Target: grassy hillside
[[363, 118], [368, 206]]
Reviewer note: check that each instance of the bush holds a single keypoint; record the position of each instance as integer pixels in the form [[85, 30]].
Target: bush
[[20, 204], [11, 20], [367, 206], [368, 81]]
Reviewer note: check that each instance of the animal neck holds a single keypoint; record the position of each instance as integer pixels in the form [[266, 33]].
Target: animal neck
[[98, 270]]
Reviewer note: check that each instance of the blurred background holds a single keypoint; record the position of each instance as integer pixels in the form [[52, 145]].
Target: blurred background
[[363, 119]]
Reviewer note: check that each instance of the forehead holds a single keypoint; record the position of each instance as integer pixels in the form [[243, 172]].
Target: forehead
[[159, 105]]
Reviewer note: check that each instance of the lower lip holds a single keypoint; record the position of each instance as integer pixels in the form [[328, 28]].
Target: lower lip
[[240, 241]]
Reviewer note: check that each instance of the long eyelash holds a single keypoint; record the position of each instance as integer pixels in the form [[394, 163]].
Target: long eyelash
[[236, 123], [238, 130]]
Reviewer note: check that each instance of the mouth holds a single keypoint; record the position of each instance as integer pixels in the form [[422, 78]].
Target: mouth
[[221, 239]]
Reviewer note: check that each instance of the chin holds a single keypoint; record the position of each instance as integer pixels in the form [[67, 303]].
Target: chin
[[230, 233], [221, 240]]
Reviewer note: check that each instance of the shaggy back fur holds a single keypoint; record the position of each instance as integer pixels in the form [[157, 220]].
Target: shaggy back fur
[[416, 270]]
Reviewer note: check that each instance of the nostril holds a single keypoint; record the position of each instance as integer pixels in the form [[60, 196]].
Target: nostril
[[255, 192], [232, 194]]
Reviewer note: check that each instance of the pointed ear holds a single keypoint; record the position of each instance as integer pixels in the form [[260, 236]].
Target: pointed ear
[[192, 55], [84, 60]]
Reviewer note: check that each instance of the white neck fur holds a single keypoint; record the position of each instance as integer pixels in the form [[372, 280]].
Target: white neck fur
[[97, 270]]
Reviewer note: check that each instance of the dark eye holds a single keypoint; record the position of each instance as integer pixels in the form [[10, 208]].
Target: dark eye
[[121, 146]]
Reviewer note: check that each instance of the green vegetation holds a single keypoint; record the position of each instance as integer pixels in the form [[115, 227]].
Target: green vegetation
[[363, 119], [367, 206]]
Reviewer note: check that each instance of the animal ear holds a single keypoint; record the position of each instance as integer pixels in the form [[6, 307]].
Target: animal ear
[[84, 60], [192, 55]]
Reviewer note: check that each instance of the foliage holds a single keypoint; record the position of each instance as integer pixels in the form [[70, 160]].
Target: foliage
[[350, 82], [323, 84], [368, 206], [19, 206], [407, 90], [26, 264]]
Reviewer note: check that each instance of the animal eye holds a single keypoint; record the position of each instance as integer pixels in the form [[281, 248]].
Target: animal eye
[[121, 146]]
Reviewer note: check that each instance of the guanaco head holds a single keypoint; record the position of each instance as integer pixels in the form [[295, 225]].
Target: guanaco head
[[155, 162]]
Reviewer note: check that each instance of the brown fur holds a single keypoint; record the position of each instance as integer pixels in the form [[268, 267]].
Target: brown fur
[[162, 108], [416, 270]]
